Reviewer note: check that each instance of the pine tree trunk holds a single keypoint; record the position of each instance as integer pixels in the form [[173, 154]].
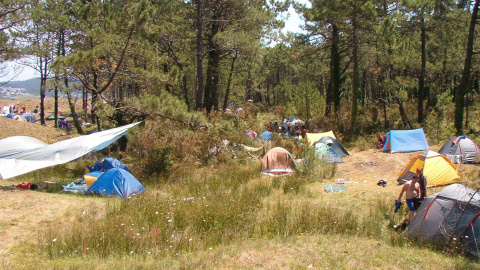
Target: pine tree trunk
[[460, 93], [227, 92], [199, 43], [421, 79], [335, 68], [355, 79]]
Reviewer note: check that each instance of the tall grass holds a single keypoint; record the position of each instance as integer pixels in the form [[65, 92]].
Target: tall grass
[[206, 208]]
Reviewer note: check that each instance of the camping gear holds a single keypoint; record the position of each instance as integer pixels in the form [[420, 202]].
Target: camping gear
[[253, 152], [18, 118], [251, 134], [296, 122], [438, 169], [397, 206], [448, 218], [266, 135], [52, 117], [382, 183], [116, 182], [75, 188], [5, 110], [334, 144], [278, 161], [28, 117], [12, 146], [20, 159], [461, 150], [334, 188], [315, 137], [11, 115], [106, 164], [326, 153], [91, 177], [405, 141]]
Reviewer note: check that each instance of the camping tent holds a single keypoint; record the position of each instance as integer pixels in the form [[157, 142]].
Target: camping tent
[[405, 141], [278, 161], [17, 159], [28, 117], [116, 182], [108, 163], [460, 150], [315, 137], [52, 117], [437, 168], [450, 215], [91, 177], [11, 115], [335, 145], [18, 118], [326, 153], [266, 135]]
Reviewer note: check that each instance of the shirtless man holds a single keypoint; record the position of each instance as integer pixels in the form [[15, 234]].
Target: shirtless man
[[411, 189]]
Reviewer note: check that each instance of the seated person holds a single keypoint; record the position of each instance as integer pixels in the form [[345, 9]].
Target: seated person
[[381, 141]]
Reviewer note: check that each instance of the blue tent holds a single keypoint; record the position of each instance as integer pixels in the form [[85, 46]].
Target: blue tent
[[116, 182], [405, 141], [266, 135], [108, 163], [11, 115]]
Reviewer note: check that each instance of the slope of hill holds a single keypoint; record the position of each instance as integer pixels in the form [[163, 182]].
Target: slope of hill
[[31, 86]]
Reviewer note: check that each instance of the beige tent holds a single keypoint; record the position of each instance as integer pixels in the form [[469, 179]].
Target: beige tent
[[315, 137], [278, 161]]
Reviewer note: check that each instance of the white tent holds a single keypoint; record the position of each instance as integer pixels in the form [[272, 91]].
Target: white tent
[[20, 154]]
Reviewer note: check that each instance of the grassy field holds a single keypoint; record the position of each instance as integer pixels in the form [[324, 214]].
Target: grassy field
[[219, 216]]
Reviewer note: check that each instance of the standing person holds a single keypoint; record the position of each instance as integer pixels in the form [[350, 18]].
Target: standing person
[[304, 132], [422, 180], [412, 190], [24, 109]]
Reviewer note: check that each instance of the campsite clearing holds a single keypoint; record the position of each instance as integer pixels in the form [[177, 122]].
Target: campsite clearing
[[27, 213]]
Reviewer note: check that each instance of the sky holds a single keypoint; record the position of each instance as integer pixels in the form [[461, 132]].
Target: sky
[[293, 23]]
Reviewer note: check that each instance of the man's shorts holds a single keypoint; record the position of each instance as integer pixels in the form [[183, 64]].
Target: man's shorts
[[411, 204]]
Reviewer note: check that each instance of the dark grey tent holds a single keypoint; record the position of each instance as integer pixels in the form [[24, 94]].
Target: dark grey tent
[[449, 217], [460, 150], [335, 145], [29, 117]]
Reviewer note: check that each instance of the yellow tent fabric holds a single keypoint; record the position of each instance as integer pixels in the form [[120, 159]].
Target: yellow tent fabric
[[314, 137], [89, 180], [438, 169]]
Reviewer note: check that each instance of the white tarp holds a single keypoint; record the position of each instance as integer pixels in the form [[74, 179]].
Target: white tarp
[[19, 155]]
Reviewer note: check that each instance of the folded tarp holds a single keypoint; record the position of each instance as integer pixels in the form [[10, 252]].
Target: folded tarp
[[315, 137], [21, 158]]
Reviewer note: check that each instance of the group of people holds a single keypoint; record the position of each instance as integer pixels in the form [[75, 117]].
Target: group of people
[[16, 109], [285, 128]]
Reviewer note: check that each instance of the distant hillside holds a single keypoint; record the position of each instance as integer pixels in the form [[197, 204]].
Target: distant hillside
[[31, 86]]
